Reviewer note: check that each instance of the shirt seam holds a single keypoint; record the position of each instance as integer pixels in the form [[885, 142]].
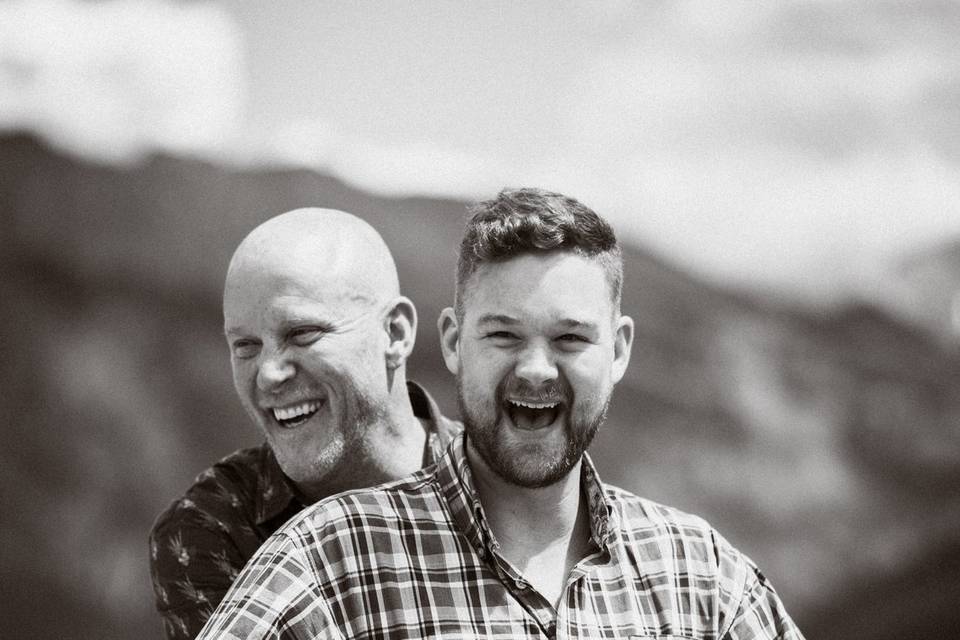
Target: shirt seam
[[736, 611]]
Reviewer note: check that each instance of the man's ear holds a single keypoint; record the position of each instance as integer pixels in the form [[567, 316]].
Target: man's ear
[[449, 339], [401, 327], [622, 342]]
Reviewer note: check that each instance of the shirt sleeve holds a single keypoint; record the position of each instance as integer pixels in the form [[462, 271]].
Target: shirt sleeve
[[761, 614], [276, 597], [193, 561]]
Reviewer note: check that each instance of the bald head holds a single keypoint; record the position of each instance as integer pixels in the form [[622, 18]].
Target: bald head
[[319, 336], [318, 245]]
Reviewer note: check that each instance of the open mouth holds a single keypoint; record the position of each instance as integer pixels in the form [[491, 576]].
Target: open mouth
[[532, 415], [296, 414]]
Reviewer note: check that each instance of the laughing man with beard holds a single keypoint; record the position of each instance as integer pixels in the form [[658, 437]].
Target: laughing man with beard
[[318, 336], [512, 534]]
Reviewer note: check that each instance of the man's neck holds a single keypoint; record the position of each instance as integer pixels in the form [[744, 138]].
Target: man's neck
[[543, 532], [392, 449]]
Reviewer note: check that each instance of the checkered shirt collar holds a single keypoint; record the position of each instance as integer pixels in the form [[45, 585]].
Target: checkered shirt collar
[[458, 488]]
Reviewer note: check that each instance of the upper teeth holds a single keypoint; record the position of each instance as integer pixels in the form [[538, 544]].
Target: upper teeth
[[293, 411], [535, 405]]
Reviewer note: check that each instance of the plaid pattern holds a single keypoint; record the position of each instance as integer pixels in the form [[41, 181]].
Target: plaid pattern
[[416, 559], [199, 544]]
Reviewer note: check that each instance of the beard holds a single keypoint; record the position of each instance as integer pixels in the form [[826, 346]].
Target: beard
[[347, 460], [530, 466]]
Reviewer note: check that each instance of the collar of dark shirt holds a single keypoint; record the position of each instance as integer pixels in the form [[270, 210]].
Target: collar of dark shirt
[[456, 482], [277, 491]]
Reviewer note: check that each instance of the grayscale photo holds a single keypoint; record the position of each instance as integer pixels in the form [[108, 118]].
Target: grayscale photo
[[480, 320]]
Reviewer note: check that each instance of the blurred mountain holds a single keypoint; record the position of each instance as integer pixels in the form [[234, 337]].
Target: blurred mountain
[[924, 289], [824, 443]]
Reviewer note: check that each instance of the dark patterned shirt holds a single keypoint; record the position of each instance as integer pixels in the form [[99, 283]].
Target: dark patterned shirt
[[201, 542], [416, 559]]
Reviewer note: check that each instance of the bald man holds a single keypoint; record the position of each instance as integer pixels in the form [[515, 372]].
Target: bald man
[[319, 336]]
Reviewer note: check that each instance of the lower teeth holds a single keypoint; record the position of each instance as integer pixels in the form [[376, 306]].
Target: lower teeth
[[293, 422]]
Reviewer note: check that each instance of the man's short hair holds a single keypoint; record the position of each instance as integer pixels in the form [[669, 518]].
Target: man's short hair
[[520, 221]]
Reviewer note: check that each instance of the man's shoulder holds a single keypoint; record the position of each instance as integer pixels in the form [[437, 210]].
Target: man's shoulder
[[639, 511], [642, 520], [663, 533], [676, 548], [224, 488], [414, 499]]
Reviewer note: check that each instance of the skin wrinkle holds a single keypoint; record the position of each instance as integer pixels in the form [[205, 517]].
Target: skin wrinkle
[[327, 276]]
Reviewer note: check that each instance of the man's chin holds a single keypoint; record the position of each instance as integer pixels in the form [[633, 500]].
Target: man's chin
[[531, 477], [529, 465], [312, 475]]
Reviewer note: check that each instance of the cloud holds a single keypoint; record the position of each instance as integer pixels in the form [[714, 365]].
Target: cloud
[[751, 154], [801, 145], [110, 80], [791, 168], [377, 166]]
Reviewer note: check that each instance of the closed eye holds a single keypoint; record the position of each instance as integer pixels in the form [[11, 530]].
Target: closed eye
[[501, 337], [572, 337], [244, 348], [305, 336]]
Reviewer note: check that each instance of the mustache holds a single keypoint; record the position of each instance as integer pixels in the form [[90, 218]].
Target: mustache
[[553, 391]]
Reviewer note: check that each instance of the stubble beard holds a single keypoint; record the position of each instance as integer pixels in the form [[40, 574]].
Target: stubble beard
[[527, 466], [348, 461]]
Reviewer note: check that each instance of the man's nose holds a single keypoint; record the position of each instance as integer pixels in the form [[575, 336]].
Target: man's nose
[[274, 370], [536, 365]]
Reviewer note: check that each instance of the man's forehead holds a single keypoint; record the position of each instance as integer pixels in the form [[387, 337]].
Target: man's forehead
[[288, 287], [557, 274], [279, 310], [566, 288]]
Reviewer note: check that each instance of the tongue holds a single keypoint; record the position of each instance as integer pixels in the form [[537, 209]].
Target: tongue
[[531, 419]]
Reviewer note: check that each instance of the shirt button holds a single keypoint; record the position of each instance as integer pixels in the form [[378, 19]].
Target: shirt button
[[522, 585]]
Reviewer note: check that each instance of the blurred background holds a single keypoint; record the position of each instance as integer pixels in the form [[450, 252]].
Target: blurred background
[[786, 178]]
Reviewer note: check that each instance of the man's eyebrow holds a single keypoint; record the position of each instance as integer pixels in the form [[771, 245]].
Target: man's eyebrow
[[577, 324], [497, 318], [567, 323]]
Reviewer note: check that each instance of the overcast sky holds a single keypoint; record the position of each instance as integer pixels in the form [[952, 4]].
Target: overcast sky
[[797, 145]]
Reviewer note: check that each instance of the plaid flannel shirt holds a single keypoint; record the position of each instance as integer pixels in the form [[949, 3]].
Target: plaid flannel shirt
[[200, 543], [416, 559]]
